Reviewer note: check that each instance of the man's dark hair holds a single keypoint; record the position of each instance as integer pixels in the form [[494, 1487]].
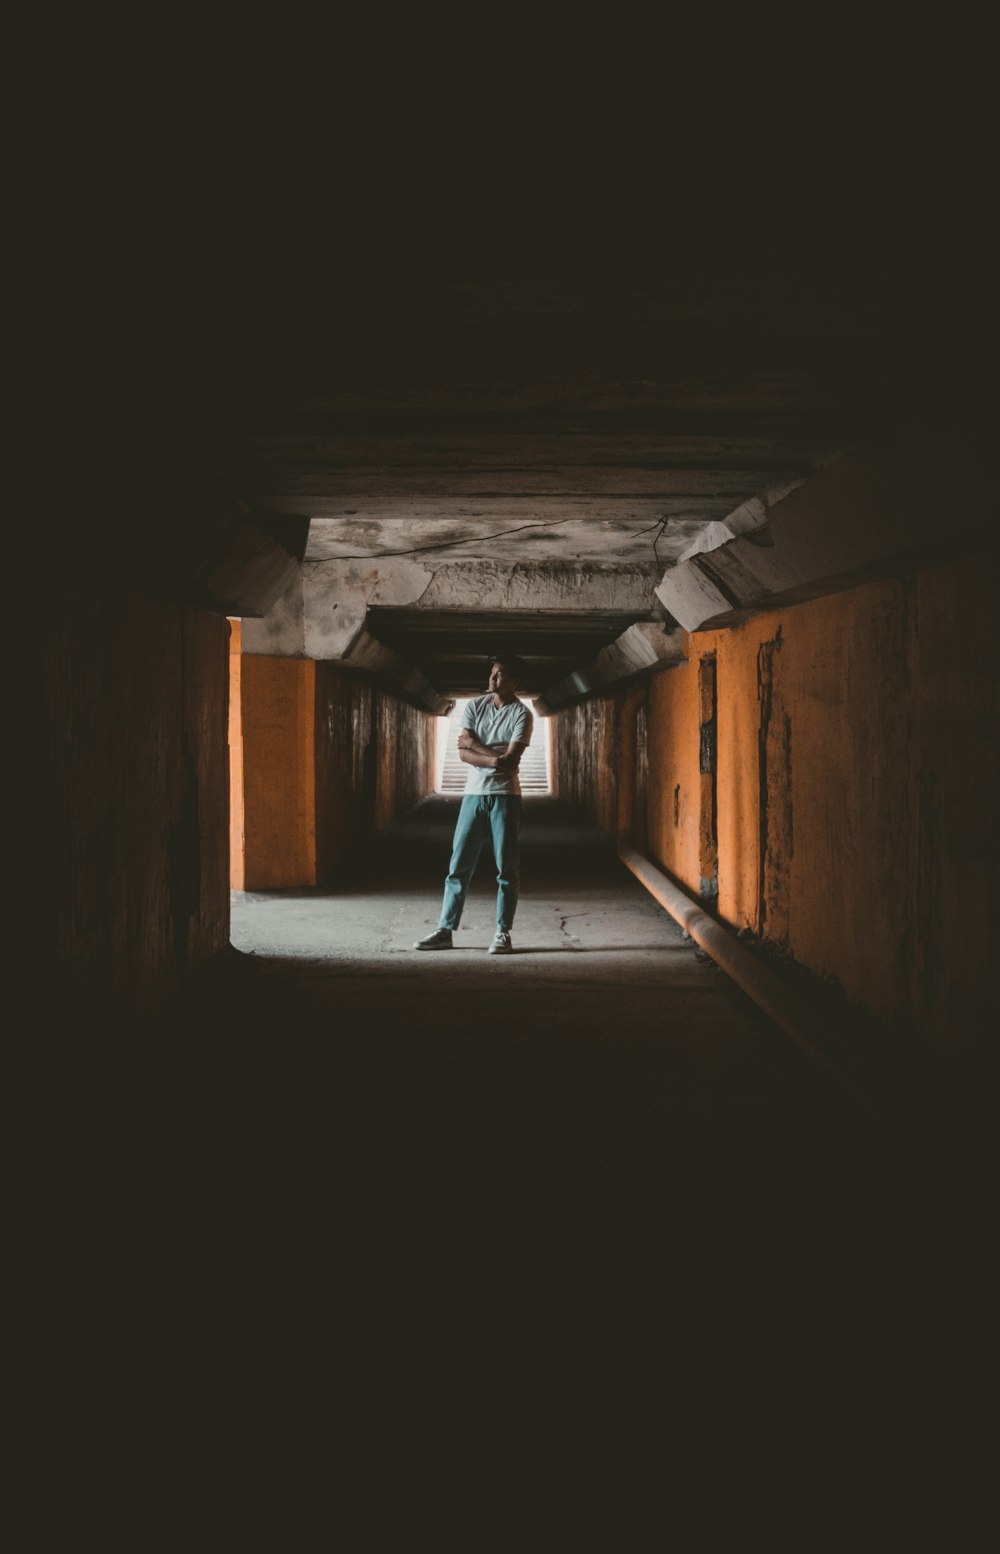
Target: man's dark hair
[[513, 665]]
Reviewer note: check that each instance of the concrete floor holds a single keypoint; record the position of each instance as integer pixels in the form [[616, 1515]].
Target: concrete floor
[[448, 1236]]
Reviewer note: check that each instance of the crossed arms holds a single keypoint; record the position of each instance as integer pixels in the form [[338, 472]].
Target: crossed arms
[[473, 753]]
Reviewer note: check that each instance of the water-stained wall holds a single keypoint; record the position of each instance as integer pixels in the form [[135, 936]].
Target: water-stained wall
[[583, 758], [850, 781], [329, 759], [374, 759]]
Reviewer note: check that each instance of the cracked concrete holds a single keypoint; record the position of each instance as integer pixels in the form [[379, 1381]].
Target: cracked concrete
[[322, 613]]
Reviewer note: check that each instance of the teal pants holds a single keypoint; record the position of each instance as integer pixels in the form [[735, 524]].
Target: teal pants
[[482, 815]]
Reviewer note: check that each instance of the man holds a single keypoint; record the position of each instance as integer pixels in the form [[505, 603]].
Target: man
[[496, 731]]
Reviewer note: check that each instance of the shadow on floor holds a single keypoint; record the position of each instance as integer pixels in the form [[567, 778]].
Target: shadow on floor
[[439, 1238]]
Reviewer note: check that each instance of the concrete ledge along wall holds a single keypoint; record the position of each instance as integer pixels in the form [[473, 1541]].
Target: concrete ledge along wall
[[329, 758], [856, 794]]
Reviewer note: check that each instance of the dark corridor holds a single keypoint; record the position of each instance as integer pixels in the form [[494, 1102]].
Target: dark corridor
[[665, 368], [576, 1229]]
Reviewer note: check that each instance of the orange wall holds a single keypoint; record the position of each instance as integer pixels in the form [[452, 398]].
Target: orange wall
[[739, 777], [857, 772], [328, 759], [873, 864], [816, 717], [279, 776], [674, 802]]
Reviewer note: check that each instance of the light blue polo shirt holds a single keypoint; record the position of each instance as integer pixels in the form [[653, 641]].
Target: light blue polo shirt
[[496, 727]]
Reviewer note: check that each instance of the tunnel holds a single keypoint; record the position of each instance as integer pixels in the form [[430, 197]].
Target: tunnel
[[677, 1216]]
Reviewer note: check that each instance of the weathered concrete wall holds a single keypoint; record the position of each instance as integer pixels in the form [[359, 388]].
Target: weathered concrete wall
[[374, 761], [329, 759], [122, 711], [345, 757], [583, 758], [405, 767], [856, 780]]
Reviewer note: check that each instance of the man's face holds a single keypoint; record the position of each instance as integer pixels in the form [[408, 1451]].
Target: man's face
[[502, 684]]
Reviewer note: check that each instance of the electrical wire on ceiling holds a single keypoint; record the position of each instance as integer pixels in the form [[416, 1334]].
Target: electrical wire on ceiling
[[661, 530], [473, 539]]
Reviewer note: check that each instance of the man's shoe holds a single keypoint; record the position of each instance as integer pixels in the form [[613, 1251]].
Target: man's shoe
[[501, 943], [440, 939]]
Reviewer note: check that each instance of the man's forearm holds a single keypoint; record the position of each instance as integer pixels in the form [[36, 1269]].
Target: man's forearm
[[468, 741], [473, 752]]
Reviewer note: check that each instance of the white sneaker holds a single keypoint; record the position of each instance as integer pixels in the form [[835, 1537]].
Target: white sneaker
[[501, 943], [440, 939]]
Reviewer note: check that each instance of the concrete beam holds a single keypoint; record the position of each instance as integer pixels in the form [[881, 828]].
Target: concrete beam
[[506, 529], [856, 519], [645, 646], [750, 515], [322, 613], [393, 672], [281, 632], [237, 562]]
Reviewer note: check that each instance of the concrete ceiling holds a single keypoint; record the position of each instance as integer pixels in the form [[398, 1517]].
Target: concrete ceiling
[[530, 410], [524, 335], [548, 348], [533, 409]]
